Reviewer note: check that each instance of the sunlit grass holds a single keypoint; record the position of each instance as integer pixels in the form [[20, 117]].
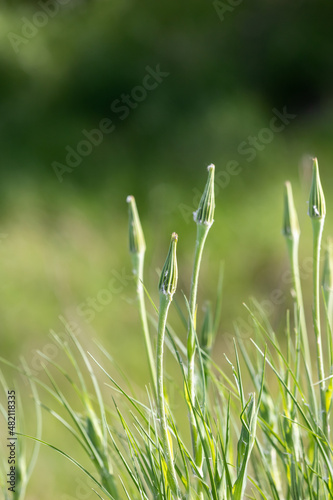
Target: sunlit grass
[[273, 442]]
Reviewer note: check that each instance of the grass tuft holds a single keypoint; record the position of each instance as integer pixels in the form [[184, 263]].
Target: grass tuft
[[259, 428]]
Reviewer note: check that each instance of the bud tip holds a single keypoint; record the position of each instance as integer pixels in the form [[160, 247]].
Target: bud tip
[[136, 238], [204, 215], [290, 227], [317, 204], [169, 275]]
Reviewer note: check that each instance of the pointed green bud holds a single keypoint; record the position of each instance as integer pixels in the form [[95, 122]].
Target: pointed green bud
[[290, 228], [205, 212], [317, 205], [327, 280], [169, 275], [137, 242]]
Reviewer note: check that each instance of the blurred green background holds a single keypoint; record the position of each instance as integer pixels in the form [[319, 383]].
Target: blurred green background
[[65, 66]]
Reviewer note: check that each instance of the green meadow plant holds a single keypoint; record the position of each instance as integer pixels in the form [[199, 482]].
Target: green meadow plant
[[259, 429], [317, 213], [137, 248], [204, 218], [291, 231]]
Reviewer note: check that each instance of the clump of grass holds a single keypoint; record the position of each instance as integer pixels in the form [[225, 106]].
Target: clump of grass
[[270, 443]]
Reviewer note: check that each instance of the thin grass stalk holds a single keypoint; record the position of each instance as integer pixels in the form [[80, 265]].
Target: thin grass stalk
[[38, 421], [309, 423], [206, 343]]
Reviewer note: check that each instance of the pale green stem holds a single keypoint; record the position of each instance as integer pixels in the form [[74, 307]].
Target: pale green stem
[[329, 305], [330, 310], [138, 273], [293, 246], [165, 301], [202, 231], [318, 226]]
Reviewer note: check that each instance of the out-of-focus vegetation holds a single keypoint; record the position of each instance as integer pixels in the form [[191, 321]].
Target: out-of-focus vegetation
[[62, 242]]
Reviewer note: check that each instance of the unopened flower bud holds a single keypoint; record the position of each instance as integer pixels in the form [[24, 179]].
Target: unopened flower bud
[[169, 276], [317, 205], [137, 242], [205, 212], [290, 228]]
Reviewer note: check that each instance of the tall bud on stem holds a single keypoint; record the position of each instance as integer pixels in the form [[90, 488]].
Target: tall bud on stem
[[137, 244], [137, 248], [169, 275], [167, 287], [317, 213], [204, 218], [291, 232], [205, 213], [290, 228]]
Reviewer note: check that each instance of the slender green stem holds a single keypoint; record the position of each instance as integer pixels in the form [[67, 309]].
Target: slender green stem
[[318, 226], [327, 283], [328, 298], [144, 321], [204, 218], [165, 302], [329, 305], [293, 256], [202, 231], [293, 246], [330, 310]]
